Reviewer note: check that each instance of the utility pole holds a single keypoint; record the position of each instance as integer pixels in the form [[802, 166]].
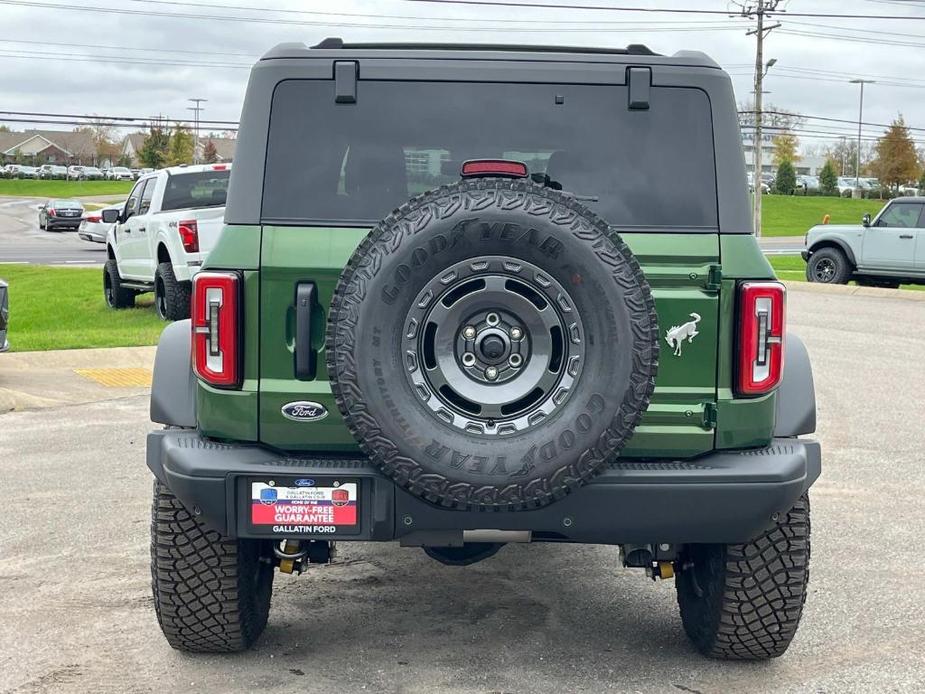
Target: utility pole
[[758, 10], [857, 165], [196, 110]]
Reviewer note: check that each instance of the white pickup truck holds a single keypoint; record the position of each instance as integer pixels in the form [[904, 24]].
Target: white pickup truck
[[158, 240]]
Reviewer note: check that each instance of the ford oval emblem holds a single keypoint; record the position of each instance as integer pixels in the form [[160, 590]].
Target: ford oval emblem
[[304, 411], [305, 483]]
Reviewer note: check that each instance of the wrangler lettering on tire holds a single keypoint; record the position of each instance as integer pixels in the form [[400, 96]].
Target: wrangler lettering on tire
[[492, 344]]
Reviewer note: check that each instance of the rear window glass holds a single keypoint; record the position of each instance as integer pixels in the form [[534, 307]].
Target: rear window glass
[[201, 189], [354, 163]]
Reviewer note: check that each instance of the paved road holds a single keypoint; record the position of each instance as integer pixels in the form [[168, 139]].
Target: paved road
[[21, 240], [76, 613]]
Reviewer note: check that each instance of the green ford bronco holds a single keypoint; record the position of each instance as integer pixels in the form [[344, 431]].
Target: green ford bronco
[[473, 295]]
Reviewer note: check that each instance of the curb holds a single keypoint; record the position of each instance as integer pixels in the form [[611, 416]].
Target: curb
[[853, 290]]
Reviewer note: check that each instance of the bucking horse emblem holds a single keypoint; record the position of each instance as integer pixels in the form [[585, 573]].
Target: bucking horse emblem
[[686, 331]]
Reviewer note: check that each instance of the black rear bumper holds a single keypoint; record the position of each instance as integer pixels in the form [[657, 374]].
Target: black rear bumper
[[721, 497]]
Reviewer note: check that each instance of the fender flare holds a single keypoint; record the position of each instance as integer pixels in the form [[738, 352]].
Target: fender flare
[[173, 386], [796, 395], [839, 243]]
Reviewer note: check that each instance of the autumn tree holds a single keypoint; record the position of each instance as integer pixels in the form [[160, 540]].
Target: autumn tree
[[828, 179], [181, 146], [896, 161], [209, 153], [844, 155], [153, 152], [785, 148]]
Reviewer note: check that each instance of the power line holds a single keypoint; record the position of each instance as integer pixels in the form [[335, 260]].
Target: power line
[[670, 10], [96, 117]]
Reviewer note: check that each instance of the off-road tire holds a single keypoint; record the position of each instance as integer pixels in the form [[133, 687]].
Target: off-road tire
[[829, 257], [743, 602], [211, 593], [171, 297], [114, 293], [418, 244]]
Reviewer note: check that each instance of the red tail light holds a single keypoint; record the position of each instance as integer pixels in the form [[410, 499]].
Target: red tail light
[[189, 235], [219, 167], [216, 328], [494, 167], [760, 361], [93, 219]]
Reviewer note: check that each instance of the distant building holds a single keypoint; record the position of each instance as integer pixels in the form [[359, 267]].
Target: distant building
[[37, 147], [767, 151], [133, 142]]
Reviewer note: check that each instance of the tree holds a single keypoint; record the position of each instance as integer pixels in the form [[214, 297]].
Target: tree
[[786, 181], [844, 155], [922, 181], [153, 152], [209, 153], [828, 179], [5, 129], [896, 161], [124, 160], [785, 148], [181, 146]]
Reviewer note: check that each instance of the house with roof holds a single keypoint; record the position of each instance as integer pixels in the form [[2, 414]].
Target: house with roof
[[133, 142], [37, 147]]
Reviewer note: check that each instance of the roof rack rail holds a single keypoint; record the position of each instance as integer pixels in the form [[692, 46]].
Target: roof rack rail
[[337, 44]]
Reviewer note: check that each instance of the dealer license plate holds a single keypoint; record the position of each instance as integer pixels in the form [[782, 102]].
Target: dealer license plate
[[305, 506]]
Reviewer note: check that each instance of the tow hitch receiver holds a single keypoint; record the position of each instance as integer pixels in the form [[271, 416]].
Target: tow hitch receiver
[[293, 555]]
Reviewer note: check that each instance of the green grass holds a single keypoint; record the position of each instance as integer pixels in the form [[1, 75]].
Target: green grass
[[793, 269], [789, 215], [63, 189], [63, 308]]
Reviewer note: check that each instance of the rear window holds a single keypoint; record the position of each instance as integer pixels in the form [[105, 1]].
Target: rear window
[[200, 189], [337, 163]]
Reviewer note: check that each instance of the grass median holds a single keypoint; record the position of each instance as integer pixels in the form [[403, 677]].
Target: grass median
[[793, 269], [63, 308], [63, 189], [791, 215]]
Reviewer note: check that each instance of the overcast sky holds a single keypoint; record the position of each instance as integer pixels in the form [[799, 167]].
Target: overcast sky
[[111, 63]]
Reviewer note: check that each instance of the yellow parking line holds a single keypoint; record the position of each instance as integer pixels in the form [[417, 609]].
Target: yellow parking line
[[117, 378]]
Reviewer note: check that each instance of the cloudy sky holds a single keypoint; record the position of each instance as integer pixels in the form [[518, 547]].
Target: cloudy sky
[[144, 57]]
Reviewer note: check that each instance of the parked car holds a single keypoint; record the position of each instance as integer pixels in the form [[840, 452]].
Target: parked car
[[75, 172], [4, 315], [159, 239], [60, 214], [885, 251], [119, 173], [145, 171], [846, 185], [52, 171], [808, 183], [765, 188], [23, 171], [93, 228], [92, 173], [481, 359], [135, 173]]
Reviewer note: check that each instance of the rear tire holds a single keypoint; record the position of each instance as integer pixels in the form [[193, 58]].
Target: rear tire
[[171, 297], [115, 294], [211, 593], [744, 601], [828, 266]]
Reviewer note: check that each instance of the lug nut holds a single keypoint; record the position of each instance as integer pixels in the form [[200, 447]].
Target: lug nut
[[516, 333], [468, 332], [491, 373], [468, 359]]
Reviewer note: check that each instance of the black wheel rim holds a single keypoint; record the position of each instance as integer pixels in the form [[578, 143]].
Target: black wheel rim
[[107, 290], [493, 346], [160, 300], [824, 270]]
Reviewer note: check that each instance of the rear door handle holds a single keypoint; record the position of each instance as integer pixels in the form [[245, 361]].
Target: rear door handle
[[305, 356], [141, 228], [905, 236]]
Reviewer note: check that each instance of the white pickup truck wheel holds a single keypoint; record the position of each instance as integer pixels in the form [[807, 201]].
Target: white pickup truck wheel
[[171, 298], [115, 294]]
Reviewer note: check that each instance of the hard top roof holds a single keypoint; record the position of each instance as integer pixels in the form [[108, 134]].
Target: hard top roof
[[336, 47]]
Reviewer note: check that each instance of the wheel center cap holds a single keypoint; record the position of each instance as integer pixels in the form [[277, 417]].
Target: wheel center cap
[[492, 347]]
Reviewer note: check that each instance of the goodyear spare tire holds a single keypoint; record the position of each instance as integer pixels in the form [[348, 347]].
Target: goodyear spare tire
[[491, 345]]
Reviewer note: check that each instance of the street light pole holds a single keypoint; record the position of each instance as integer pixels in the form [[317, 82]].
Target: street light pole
[[196, 109], [857, 164]]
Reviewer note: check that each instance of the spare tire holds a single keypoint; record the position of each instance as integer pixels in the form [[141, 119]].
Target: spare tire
[[492, 344]]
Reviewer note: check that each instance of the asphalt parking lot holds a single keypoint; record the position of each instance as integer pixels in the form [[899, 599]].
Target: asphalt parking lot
[[76, 612], [21, 240]]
